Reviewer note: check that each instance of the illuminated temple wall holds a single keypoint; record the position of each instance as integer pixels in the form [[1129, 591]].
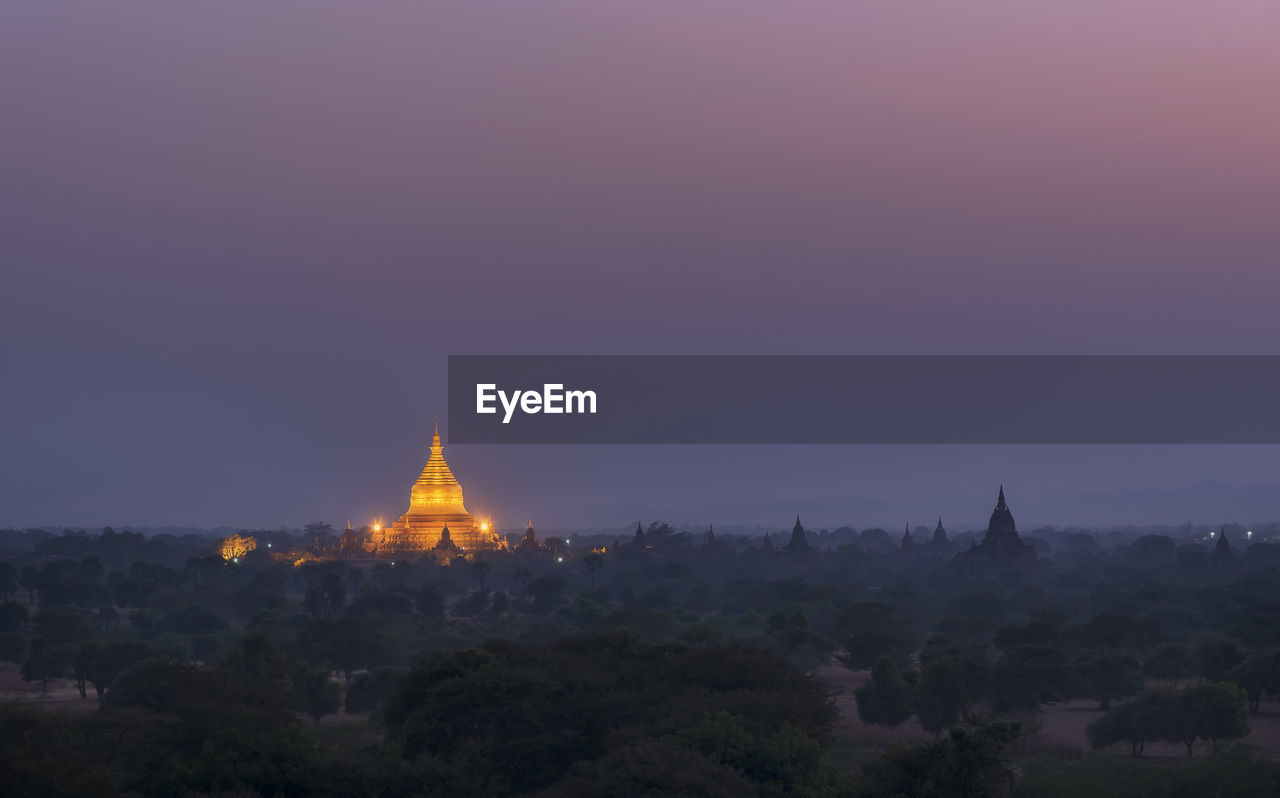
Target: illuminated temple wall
[[435, 501]]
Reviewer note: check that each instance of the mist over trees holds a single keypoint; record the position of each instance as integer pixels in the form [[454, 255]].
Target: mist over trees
[[651, 660]]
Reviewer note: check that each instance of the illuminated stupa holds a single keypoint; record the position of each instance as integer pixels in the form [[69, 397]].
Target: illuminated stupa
[[435, 503]]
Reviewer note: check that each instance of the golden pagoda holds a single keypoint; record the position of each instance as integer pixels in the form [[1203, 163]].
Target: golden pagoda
[[435, 503]]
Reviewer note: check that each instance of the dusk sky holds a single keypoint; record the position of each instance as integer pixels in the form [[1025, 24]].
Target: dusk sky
[[239, 240]]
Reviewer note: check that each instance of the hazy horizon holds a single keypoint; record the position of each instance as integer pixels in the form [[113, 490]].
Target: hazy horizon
[[231, 282]]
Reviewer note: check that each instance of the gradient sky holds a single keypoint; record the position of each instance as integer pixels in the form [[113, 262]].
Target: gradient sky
[[238, 240]]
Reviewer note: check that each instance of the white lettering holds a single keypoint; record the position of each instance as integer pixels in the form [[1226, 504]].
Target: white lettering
[[551, 394], [510, 407], [581, 397], [484, 395], [551, 399]]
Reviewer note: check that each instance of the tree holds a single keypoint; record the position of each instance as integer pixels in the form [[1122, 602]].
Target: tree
[[1116, 630], [547, 592], [788, 758], [593, 562], [235, 546], [8, 580], [967, 762], [344, 645], [1213, 711], [1170, 662], [977, 667], [13, 648], [80, 666], [1259, 673], [326, 597], [532, 716], [319, 532], [29, 578], [1145, 719], [430, 601], [317, 695], [481, 569], [886, 699], [1109, 673], [258, 674], [12, 616], [107, 616], [102, 664], [91, 568], [400, 570], [474, 604], [1030, 676], [653, 767], [523, 575], [134, 591], [942, 697], [44, 662], [871, 630], [63, 627], [1216, 655], [367, 691], [196, 619]]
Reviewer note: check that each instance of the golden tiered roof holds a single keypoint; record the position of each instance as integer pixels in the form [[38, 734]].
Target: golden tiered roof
[[435, 504], [437, 490]]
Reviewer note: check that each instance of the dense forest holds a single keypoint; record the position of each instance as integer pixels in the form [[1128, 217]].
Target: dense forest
[[659, 661]]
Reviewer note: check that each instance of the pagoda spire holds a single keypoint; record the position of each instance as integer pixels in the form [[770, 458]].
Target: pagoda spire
[[798, 542], [1000, 505], [939, 534]]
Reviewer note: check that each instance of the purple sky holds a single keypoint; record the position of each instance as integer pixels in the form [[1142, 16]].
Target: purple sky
[[238, 240]]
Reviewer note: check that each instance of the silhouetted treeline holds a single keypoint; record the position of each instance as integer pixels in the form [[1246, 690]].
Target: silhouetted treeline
[[659, 661]]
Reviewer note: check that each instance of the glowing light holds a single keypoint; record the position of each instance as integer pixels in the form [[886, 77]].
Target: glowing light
[[1212, 535], [435, 501], [559, 559], [1248, 534], [233, 547]]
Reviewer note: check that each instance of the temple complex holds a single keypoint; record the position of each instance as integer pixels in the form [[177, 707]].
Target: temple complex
[[529, 544], [1002, 546], [939, 545], [435, 505], [798, 543]]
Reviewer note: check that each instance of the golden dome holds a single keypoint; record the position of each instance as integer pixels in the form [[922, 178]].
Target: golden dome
[[435, 505], [436, 491]]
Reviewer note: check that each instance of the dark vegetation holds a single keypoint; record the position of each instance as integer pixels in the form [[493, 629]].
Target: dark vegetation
[[680, 664]]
